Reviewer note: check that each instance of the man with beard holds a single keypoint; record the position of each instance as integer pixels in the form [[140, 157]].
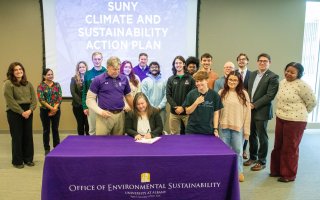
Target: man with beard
[[154, 87], [243, 61]]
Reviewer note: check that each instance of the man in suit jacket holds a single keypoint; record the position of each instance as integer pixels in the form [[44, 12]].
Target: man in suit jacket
[[243, 61], [262, 88]]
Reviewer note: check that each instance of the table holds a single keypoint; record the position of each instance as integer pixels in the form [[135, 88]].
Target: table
[[115, 167]]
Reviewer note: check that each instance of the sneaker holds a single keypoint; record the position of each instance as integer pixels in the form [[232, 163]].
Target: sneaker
[[241, 177]]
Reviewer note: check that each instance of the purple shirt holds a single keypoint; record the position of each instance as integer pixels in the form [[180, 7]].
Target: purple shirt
[[110, 91], [141, 73]]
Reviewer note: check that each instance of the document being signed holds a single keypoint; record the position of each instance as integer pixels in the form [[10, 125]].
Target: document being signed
[[148, 141]]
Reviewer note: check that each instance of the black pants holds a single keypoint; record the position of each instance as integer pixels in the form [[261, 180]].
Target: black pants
[[82, 120], [258, 141], [46, 119], [21, 135]]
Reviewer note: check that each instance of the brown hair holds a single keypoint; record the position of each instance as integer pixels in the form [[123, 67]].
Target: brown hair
[[239, 89], [12, 78], [200, 75], [135, 101], [77, 75]]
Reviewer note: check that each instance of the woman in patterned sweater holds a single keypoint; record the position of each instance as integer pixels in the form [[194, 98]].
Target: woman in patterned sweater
[[295, 100]]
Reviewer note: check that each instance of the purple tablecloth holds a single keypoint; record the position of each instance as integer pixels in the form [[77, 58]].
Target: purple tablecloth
[[115, 167]]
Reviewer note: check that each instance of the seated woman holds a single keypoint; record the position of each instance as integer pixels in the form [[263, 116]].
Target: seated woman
[[143, 121]]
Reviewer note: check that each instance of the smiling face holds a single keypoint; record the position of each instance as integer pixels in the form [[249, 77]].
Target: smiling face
[[97, 60], [233, 82], [202, 85], [291, 73], [18, 72], [242, 62], [127, 69], [143, 60], [82, 68], [206, 63], [49, 76], [227, 68], [154, 69], [263, 64], [179, 65]]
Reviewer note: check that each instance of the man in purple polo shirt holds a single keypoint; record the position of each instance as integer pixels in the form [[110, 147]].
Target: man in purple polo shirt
[[109, 88], [142, 68]]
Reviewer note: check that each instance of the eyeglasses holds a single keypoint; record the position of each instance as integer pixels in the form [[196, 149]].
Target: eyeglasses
[[233, 80], [242, 59], [263, 61]]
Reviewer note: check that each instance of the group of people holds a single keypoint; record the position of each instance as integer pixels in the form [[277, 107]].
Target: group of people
[[21, 101], [122, 99]]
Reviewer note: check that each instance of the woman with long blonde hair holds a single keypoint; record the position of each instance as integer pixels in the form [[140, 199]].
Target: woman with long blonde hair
[[76, 88]]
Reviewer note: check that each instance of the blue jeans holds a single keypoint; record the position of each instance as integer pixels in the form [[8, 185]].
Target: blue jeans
[[234, 139]]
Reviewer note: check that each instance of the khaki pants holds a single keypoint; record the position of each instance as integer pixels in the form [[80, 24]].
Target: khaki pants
[[174, 123], [113, 125], [92, 122]]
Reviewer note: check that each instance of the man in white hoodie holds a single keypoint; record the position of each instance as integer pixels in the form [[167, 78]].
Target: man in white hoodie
[[154, 87]]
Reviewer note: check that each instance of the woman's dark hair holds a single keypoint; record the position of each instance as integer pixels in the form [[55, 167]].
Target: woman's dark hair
[[12, 78], [298, 66], [174, 71], [239, 89], [135, 101], [44, 72], [132, 77]]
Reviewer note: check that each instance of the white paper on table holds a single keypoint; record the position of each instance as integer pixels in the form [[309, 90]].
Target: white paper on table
[[148, 141]]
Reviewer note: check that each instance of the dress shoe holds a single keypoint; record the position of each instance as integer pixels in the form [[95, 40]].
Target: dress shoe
[[249, 162], [30, 164], [284, 180], [19, 166], [241, 177], [257, 167]]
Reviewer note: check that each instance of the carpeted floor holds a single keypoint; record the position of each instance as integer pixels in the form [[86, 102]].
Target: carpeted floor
[[16, 184]]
